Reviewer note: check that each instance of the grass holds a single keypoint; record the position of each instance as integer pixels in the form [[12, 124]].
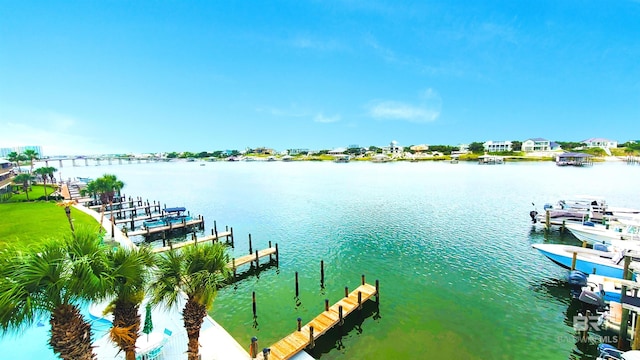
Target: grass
[[36, 192], [33, 222]]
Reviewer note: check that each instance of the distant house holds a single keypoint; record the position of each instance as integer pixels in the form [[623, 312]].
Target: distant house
[[6, 175], [263, 151], [420, 148], [298, 151], [555, 146], [337, 151], [497, 146], [601, 143], [394, 149], [536, 144]]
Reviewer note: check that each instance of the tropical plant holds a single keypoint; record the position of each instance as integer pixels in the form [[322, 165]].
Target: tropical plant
[[14, 157], [130, 270], [24, 179], [106, 188], [195, 272], [45, 172], [51, 280], [30, 155]]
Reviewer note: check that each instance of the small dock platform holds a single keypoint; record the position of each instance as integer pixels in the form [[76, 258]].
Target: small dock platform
[[306, 335]]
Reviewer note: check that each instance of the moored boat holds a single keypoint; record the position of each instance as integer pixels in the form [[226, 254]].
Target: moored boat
[[605, 263], [601, 234]]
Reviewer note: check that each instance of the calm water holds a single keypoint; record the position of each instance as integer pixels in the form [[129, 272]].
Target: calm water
[[450, 244]]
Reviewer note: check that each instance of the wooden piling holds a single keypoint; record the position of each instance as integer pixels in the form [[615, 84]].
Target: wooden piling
[[297, 288], [232, 246], [548, 219], [312, 343], [574, 260], [257, 262], [363, 279], [270, 256], [346, 291], [326, 304], [253, 349], [359, 300], [233, 265], [277, 256], [253, 300], [624, 323], [377, 291], [322, 273], [340, 316], [250, 248], [299, 324]]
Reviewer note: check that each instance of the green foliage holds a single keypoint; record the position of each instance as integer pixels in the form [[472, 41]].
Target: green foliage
[[570, 145], [516, 145], [444, 149], [476, 147]]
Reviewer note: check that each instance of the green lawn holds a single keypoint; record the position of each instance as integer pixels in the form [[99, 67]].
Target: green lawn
[[36, 192], [32, 222]]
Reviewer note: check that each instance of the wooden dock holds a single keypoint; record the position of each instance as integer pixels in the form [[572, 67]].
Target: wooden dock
[[195, 240], [159, 229], [306, 335]]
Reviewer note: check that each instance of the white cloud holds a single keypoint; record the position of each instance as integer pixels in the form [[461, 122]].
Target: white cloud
[[326, 119], [52, 131], [427, 110]]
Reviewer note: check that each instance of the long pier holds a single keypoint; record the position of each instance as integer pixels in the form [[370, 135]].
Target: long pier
[[195, 240], [305, 336]]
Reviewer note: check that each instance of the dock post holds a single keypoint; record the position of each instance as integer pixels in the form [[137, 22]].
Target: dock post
[[341, 321], [253, 349], [277, 256], [346, 291], [312, 343], [297, 288], [257, 262], [548, 219], [202, 223], [233, 264], [195, 239], [265, 353], [624, 322], [253, 296], [132, 222], [359, 300], [362, 279], [215, 228], [322, 274], [584, 244], [377, 291], [564, 224], [270, 256], [326, 304], [573, 261], [250, 248], [232, 246]]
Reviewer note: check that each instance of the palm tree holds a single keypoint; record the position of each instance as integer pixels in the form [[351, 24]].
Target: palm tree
[[14, 157], [30, 155], [106, 187], [24, 180], [195, 272], [45, 172], [130, 270], [51, 280]]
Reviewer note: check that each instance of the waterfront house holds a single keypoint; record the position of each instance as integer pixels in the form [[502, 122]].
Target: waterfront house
[[293, 152], [393, 149], [601, 143], [337, 151], [418, 149], [536, 144], [497, 146]]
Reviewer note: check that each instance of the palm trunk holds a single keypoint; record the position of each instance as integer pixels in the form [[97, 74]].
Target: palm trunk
[[126, 317], [193, 315], [70, 334], [25, 186], [44, 180]]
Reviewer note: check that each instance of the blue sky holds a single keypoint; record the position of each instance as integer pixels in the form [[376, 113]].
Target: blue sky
[[91, 77]]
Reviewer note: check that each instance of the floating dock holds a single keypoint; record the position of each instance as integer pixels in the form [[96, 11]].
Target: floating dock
[[305, 336]]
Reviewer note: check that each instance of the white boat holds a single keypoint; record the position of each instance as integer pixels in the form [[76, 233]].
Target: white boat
[[601, 234], [589, 261]]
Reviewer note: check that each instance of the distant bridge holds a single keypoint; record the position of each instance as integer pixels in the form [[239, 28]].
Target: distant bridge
[[98, 160]]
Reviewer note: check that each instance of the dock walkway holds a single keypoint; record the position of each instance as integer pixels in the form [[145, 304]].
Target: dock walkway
[[307, 334], [159, 229]]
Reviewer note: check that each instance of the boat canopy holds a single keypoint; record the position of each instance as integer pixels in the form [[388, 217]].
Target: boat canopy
[[174, 209]]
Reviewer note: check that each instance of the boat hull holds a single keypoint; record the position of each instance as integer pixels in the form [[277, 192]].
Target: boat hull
[[587, 260]]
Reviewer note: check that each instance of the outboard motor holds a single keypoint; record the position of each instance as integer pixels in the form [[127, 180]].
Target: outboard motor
[[592, 297], [534, 216], [577, 280]]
